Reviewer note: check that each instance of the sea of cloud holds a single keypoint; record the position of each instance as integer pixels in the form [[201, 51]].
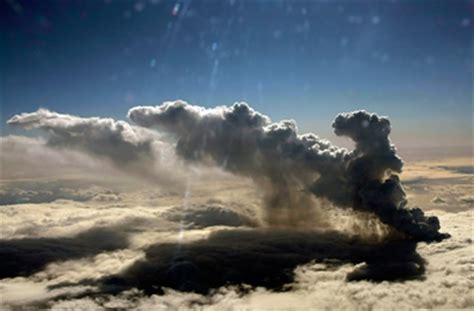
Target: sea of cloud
[[104, 214], [82, 245]]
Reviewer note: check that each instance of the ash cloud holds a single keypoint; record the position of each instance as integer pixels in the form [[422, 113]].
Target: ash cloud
[[129, 148], [31, 158], [290, 166]]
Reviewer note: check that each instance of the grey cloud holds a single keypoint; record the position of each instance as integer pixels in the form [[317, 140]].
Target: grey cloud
[[104, 137], [28, 158], [207, 215], [129, 148], [289, 166], [19, 192], [23, 257]]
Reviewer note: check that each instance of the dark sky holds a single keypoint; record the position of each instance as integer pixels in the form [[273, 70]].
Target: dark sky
[[306, 60]]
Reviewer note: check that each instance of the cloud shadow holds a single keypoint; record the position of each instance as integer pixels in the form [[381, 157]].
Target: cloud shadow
[[261, 258], [23, 257]]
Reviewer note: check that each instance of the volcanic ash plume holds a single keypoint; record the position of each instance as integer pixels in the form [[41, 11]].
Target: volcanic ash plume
[[129, 148], [289, 165]]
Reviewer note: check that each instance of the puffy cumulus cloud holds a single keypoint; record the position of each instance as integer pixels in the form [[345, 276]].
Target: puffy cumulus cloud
[[288, 166], [130, 148]]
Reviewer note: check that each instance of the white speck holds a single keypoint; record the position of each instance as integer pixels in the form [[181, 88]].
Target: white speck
[[303, 11], [277, 34], [139, 6], [384, 57], [344, 41], [355, 19], [214, 46], [175, 10], [365, 124], [429, 60], [466, 22], [375, 20], [153, 63]]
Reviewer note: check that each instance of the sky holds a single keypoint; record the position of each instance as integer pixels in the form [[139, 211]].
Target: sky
[[305, 60], [186, 205]]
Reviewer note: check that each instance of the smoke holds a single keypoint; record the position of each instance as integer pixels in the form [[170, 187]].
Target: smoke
[[289, 166], [129, 148]]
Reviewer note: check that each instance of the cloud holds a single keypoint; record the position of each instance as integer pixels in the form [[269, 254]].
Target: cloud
[[459, 169], [469, 199], [104, 137], [23, 257], [129, 148], [288, 166], [30, 158], [207, 215], [438, 200], [34, 191], [445, 283], [164, 245]]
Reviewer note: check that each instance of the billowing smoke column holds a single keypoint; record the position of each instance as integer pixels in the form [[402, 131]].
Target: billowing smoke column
[[283, 162]]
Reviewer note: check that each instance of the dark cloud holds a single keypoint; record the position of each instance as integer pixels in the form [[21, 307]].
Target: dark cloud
[[23, 257], [19, 192], [261, 258], [207, 215], [288, 166]]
